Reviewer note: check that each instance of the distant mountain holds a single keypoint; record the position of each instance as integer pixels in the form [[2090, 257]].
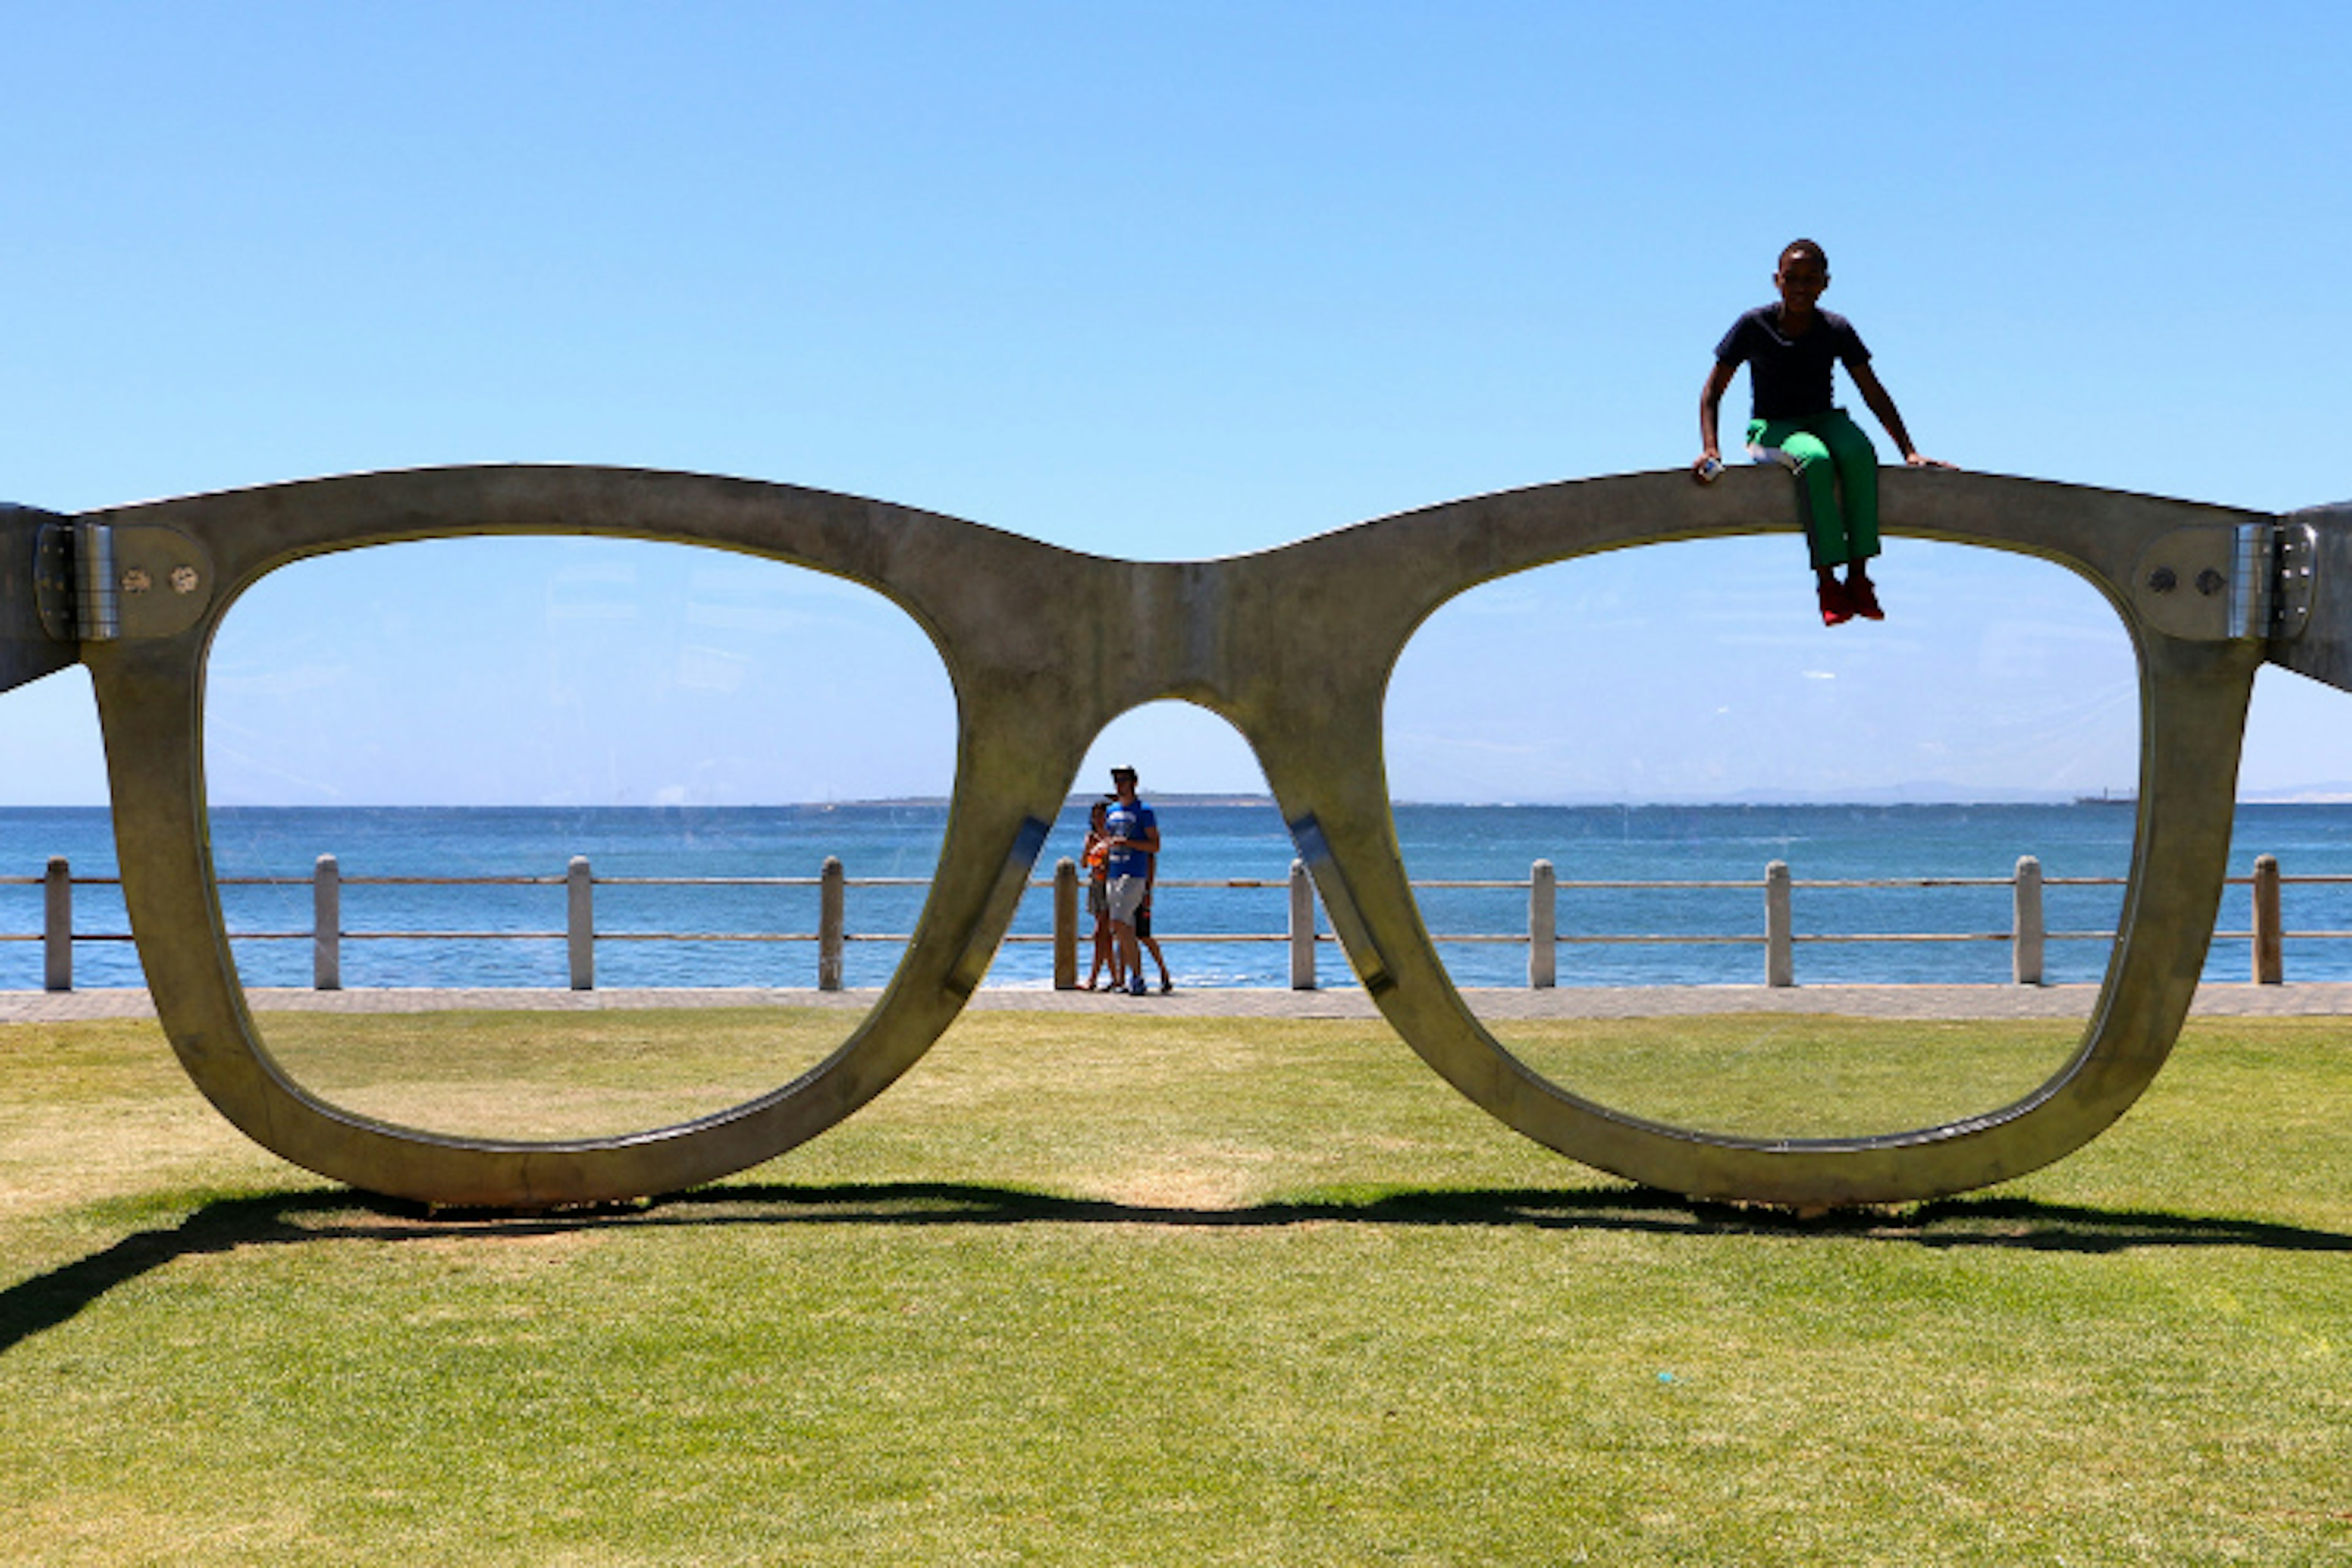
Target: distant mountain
[[1175, 798], [1916, 793]]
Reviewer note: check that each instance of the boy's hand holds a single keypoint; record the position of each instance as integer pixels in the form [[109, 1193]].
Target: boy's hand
[[1708, 468], [1921, 460]]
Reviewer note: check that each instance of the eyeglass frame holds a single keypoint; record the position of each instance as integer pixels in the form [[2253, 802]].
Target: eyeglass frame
[[1043, 647]]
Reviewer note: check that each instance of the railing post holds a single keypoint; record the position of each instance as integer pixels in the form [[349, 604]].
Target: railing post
[[327, 925], [1066, 924], [580, 925], [832, 924], [1302, 928], [2270, 953], [56, 926], [2028, 935], [1779, 927], [1543, 927]]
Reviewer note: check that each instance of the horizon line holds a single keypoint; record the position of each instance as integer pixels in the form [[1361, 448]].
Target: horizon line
[[2315, 795]]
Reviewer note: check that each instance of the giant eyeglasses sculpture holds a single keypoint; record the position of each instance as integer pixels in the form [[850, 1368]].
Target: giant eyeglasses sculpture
[[1043, 648]]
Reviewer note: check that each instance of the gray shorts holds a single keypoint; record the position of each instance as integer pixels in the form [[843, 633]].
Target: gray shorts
[[1126, 898], [1098, 900]]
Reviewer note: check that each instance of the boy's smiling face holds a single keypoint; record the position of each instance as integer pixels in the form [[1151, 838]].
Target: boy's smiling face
[[1801, 279]]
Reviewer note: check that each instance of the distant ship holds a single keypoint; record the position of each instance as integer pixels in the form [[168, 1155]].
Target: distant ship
[[2104, 798]]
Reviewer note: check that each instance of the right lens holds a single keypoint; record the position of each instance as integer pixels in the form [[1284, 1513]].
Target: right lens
[[559, 778], [1658, 728]]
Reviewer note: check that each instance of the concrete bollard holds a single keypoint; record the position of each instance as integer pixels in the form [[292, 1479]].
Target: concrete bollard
[[326, 925], [2028, 935], [56, 926], [1302, 928], [580, 924], [1779, 928], [1066, 924], [832, 924], [2269, 949], [1543, 927]]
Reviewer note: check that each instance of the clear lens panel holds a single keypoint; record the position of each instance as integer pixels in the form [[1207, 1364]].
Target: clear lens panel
[[578, 794], [1662, 726]]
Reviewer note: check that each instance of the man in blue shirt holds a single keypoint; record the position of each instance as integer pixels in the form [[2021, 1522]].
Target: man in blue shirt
[[1134, 840]]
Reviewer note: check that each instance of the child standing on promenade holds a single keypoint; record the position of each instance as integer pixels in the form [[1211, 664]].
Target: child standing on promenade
[[1792, 350], [1098, 858]]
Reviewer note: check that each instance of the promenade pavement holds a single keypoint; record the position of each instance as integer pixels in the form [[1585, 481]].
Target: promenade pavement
[[2308, 1000]]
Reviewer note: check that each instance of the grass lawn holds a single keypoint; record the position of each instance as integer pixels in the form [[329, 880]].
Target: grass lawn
[[1173, 1292]]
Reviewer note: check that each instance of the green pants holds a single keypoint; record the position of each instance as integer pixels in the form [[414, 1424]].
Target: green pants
[[1829, 453]]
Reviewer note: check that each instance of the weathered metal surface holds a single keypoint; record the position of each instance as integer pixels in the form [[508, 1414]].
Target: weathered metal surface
[[28, 650], [2322, 649], [1045, 647]]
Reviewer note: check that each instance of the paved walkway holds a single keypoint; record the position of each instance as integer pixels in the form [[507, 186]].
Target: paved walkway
[[2312, 1000]]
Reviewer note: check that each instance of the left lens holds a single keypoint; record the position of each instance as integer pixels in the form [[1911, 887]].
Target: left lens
[[579, 796]]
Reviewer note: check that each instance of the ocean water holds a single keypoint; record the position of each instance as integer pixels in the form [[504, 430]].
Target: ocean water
[[1206, 843]]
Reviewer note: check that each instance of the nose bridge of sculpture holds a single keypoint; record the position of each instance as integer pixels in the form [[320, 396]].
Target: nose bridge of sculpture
[[1272, 643], [1179, 628]]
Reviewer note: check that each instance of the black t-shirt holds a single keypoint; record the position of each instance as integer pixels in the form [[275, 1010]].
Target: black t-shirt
[[1790, 376]]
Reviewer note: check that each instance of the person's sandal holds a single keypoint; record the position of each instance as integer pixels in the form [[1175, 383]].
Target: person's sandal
[[1837, 608], [1863, 597]]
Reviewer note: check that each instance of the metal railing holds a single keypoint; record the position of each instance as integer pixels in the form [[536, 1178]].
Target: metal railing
[[2027, 935]]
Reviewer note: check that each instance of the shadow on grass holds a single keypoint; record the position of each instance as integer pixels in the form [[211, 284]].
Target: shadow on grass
[[317, 1218]]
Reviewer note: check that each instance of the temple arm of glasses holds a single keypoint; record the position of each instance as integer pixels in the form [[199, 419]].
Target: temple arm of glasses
[[30, 649], [2310, 576]]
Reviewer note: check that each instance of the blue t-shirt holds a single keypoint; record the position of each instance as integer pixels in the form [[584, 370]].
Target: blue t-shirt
[[1790, 377], [1126, 821]]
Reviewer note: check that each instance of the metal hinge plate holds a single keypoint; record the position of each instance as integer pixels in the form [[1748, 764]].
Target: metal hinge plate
[[99, 582], [2296, 574], [2226, 583]]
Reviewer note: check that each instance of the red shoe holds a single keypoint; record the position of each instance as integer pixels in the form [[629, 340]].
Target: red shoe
[[1836, 607], [1863, 597]]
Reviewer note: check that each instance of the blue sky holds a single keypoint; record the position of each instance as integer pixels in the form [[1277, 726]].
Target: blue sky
[[1160, 282]]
